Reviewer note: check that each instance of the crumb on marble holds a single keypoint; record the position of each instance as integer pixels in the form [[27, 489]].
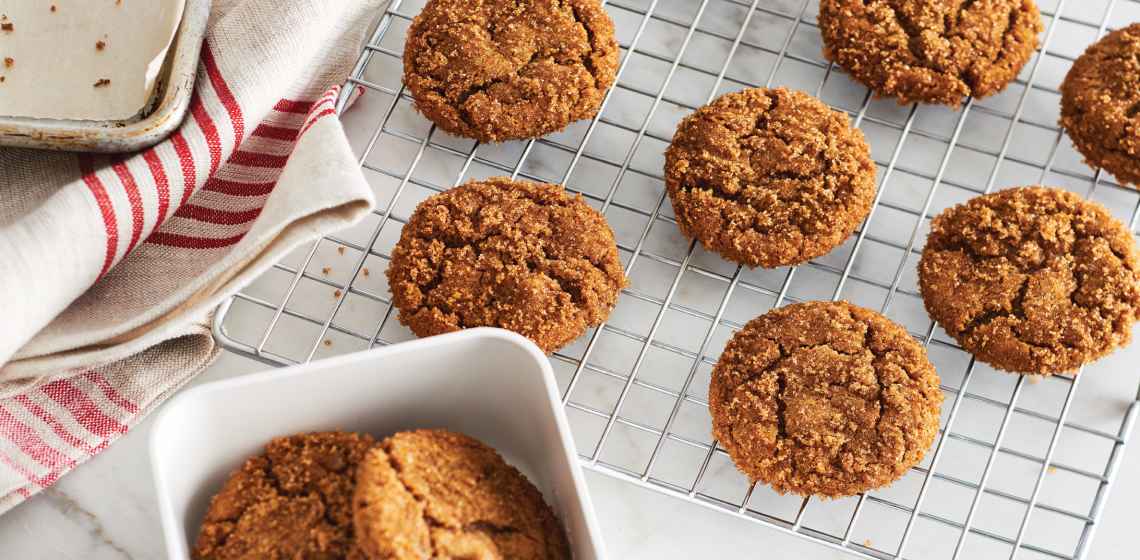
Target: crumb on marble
[[102, 82]]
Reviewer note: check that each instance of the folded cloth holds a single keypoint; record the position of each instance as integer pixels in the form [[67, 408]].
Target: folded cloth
[[110, 266]]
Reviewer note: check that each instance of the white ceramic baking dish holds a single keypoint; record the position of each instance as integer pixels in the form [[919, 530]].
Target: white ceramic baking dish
[[489, 383]]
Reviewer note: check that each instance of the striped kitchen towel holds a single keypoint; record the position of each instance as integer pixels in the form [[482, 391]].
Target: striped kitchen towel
[[110, 265]]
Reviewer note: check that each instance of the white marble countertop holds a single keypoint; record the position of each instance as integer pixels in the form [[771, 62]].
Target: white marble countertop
[[105, 510]]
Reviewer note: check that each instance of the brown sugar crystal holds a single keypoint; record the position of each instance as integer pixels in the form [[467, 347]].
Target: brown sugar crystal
[[1032, 279], [927, 50], [824, 398]]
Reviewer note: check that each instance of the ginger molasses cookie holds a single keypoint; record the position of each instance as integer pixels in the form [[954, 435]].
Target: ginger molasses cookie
[[293, 501], [769, 177], [439, 494], [1031, 279], [932, 51], [500, 70], [1100, 104], [522, 256], [824, 398]]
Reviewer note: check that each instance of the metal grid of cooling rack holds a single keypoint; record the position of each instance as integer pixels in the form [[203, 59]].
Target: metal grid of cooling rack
[[1021, 467]]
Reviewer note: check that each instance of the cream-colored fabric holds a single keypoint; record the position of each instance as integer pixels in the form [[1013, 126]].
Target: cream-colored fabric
[[110, 266]]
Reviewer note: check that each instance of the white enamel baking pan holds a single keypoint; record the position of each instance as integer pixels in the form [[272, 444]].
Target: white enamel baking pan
[[157, 120], [489, 383]]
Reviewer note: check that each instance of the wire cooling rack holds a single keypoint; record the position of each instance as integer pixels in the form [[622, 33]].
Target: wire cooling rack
[[1022, 467]]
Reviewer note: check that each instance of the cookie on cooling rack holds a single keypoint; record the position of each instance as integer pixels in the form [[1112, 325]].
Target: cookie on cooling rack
[[522, 256], [927, 50], [502, 69], [1032, 279], [439, 494], [824, 398], [769, 177], [292, 501], [1100, 104]]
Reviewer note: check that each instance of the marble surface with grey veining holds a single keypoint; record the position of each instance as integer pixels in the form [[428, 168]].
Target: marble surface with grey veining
[[106, 509]]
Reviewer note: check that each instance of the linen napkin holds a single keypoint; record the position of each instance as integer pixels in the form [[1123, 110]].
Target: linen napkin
[[110, 265]]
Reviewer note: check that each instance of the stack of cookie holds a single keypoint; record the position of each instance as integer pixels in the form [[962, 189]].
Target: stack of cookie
[[416, 495], [821, 398]]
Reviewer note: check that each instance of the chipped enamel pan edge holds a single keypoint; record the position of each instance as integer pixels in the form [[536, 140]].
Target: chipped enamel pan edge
[[154, 123]]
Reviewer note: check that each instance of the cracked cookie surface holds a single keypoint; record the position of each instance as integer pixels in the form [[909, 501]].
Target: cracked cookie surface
[[769, 177], [292, 501], [518, 255], [498, 70], [824, 398], [438, 494], [1100, 104], [1032, 279], [934, 51]]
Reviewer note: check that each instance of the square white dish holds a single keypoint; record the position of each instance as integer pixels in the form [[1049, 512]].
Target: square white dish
[[491, 384]]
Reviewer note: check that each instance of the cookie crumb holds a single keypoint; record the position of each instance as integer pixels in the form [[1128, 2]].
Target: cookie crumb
[[1051, 470], [867, 543], [7, 26], [102, 82], [100, 45], [53, 8], [328, 342], [9, 61], [340, 249], [337, 294], [326, 270], [365, 271], [2, 79]]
